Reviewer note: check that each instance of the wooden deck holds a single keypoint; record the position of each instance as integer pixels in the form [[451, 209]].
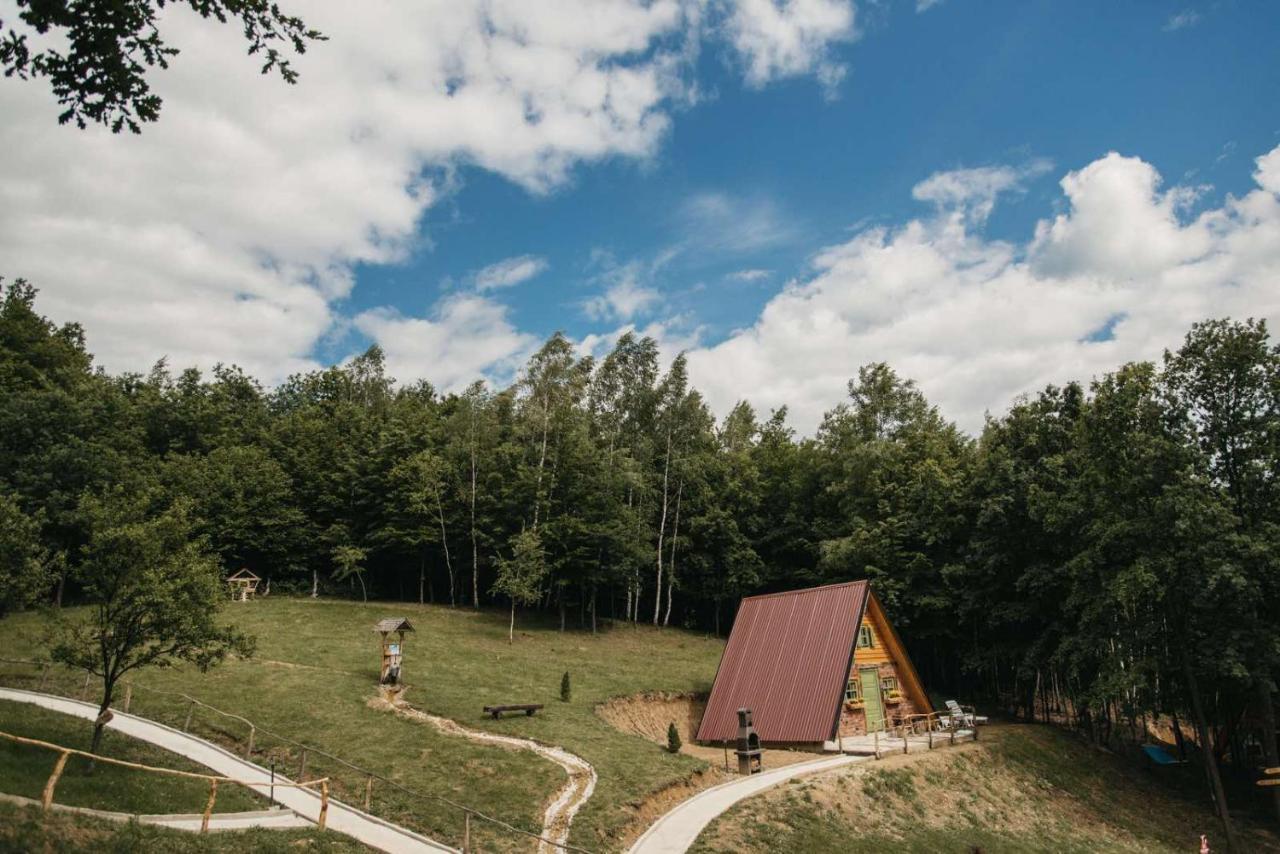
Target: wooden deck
[[885, 743]]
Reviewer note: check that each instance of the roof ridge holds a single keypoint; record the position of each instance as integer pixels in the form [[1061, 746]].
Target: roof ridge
[[806, 590]]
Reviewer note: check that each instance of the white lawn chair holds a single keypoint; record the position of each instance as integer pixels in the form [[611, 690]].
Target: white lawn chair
[[961, 718]]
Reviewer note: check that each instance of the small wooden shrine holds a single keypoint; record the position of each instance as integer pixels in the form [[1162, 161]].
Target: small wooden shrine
[[243, 584], [392, 647]]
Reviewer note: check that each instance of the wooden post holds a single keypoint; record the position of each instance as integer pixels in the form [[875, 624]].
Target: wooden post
[[208, 808], [877, 738], [466, 832], [84, 691], [128, 696], [302, 769], [248, 750], [953, 734], [368, 792], [931, 738], [726, 757], [324, 803], [46, 799]]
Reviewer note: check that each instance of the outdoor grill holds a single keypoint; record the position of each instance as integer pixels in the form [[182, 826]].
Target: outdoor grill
[[749, 761]]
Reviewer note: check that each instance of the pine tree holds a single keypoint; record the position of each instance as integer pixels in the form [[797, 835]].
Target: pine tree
[[673, 738], [565, 691]]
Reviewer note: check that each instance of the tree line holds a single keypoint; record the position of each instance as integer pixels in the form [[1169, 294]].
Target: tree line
[[1102, 553]]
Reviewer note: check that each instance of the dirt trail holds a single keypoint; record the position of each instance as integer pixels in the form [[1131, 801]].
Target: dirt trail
[[558, 817]]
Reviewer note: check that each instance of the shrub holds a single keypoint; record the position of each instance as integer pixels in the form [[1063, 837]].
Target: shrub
[[673, 738], [565, 691]]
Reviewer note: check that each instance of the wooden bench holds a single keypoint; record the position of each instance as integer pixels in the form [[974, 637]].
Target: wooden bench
[[527, 708]]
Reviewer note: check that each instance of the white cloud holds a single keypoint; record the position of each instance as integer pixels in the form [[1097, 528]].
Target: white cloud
[[926, 5], [973, 192], [727, 223], [776, 39], [749, 275], [1182, 20], [229, 230], [509, 272], [622, 300], [978, 321], [464, 336]]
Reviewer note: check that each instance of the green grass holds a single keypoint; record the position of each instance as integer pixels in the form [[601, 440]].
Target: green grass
[[1022, 789], [29, 829], [457, 661], [24, 769]]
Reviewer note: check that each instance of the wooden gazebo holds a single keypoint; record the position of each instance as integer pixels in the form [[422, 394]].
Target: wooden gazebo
[[243, 584], [392, 648]]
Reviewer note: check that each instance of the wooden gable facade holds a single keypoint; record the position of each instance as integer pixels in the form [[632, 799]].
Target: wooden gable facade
[[883, 685]]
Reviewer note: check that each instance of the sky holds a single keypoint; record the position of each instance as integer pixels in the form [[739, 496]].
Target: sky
[[989, 196]]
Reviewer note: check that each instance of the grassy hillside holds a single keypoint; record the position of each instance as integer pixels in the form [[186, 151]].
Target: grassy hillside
[[24, 829], [24, 769], [316, 668], [1021, 790]]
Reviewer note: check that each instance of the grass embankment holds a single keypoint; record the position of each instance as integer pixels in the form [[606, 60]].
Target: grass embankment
[[24, 769], [1023, 788], [317, 665], [29, 829]]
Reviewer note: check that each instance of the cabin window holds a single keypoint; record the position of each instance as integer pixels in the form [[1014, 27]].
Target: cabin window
[[865, 638], [851, 690], [889, 683]]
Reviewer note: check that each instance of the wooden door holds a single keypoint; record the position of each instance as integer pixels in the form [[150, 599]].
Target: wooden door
[[869, 678]]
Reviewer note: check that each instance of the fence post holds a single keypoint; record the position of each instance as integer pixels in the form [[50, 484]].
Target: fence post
[[84, 691], [248, 751], [208, 808], [368, 793], [302, 769], [190, 709], [953, 735], [324, 803], [877, 737], [931, 738], [128, 696], [46, 799], [466, 832]]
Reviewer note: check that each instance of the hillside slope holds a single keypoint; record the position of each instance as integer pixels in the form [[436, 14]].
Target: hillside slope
[[1023, 788], [316, 668]]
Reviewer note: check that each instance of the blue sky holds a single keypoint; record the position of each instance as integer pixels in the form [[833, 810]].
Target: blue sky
[[990, 196], [963, 84]]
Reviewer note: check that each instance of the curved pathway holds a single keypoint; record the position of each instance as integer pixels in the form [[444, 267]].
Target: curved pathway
[[559, 814], [677, 830], [369, 829]]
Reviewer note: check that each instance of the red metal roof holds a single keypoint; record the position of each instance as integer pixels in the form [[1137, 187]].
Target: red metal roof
[[787, 660]]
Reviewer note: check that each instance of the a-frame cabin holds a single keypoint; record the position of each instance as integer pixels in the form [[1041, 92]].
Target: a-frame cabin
[[812, 665]]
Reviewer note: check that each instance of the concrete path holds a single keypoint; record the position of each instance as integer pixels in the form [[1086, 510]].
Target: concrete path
[[370, 830], [677, 830]]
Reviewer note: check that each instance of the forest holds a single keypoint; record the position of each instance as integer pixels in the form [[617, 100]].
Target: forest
[[1104, 552]]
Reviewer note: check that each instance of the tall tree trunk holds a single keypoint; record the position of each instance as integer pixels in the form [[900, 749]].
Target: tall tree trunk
[[475, 549], [422, 576], [444, 542], [1207, 754], [542, 460], [363, 593], [315, 584], [671, 565], [104, 715], [1266, 705], [662, 530], [593, 609], [511, 627]]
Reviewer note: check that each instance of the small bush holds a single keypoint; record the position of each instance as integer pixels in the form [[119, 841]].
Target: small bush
[[673, 738], [565, 691]]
